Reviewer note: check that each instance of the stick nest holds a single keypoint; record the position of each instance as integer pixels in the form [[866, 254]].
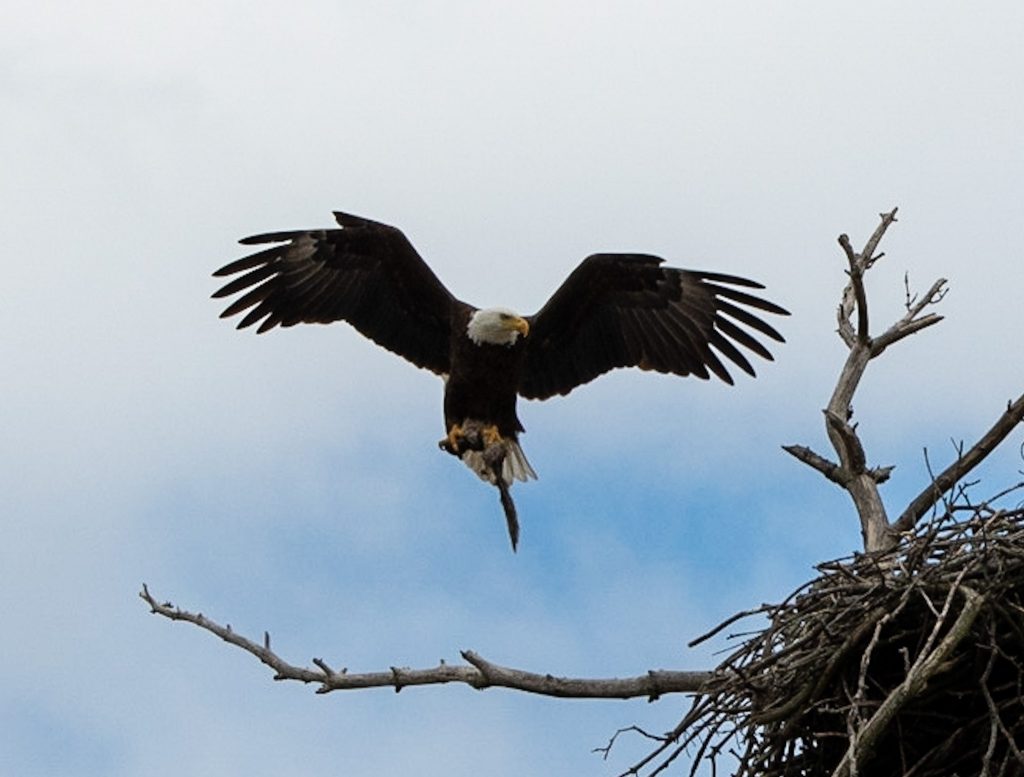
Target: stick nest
[[905, 663]]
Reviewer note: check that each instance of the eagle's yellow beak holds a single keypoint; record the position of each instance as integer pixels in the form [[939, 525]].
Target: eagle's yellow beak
[[521, 325]]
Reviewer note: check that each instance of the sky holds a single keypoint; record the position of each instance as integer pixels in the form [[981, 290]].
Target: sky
[[290, 482]]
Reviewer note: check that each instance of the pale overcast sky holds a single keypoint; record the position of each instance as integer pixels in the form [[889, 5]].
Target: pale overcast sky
[[291, 482]]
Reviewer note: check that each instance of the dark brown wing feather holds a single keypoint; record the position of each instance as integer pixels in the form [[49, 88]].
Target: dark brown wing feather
[[627, 310], [365, 273]]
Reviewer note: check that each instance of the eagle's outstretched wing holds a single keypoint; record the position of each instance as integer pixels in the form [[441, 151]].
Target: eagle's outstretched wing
[[365, 273], [627, 310]]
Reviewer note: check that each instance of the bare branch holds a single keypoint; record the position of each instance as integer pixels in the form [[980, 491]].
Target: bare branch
[[876, 237], [728, 622], [852, 471], [847, 303], [856, 460], [881, 474], [829, 469], [924, 501], [479, 674], [262, 652], [857, 268], [854, 295], [910, 323]]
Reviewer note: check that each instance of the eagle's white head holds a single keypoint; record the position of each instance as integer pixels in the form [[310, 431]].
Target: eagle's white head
[[496, 326]]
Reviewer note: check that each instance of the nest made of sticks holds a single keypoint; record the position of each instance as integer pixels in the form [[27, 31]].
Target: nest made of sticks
[[905, 663]]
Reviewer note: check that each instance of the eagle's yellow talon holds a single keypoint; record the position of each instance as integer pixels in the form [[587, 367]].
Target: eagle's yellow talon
[[455, 438]]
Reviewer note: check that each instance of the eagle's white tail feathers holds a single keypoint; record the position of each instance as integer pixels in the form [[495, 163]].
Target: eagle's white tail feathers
[[513, 467]]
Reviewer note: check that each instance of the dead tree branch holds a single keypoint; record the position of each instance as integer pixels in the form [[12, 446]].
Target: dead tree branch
[[852, 472], [956, 471], [479, 674], [910, 323]]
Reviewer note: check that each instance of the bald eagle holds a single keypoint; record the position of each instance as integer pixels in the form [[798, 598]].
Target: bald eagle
[[614, 310]]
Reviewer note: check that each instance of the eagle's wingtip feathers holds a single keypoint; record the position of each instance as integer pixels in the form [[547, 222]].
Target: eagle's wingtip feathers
[[349, 219]]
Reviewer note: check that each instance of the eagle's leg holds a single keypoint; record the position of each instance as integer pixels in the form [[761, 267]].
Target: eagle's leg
[[491, 435], [452, 442], [455, 438]]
